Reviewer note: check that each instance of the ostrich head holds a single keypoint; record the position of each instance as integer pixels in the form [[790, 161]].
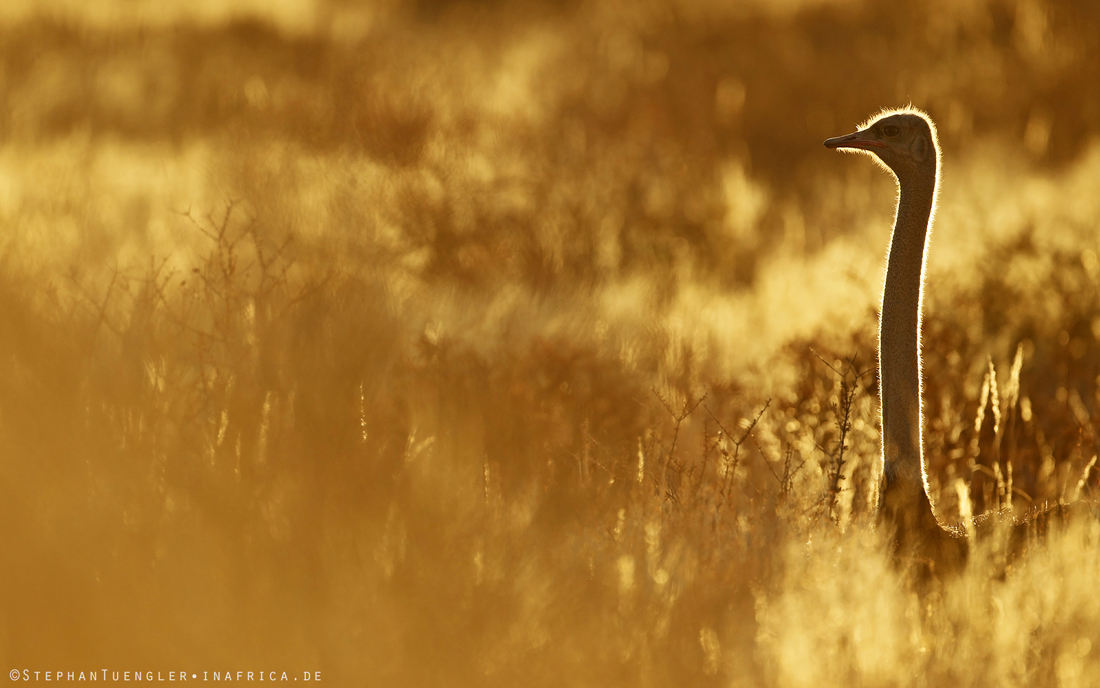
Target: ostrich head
[[902, 140]]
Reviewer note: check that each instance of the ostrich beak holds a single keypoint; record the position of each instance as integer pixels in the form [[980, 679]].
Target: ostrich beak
[[861, 139]]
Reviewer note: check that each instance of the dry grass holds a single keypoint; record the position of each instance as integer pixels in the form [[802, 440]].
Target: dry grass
[[531, 345]]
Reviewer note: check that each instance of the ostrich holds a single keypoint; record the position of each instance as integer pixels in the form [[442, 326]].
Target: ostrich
[[904, 142]]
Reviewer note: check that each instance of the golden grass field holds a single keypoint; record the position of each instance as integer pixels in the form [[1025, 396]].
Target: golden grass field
[[533, 344]]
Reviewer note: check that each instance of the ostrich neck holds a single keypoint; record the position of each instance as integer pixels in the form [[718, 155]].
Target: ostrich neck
[[899, 338]]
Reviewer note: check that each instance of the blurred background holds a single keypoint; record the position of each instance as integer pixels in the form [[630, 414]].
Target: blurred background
[[477, 343]]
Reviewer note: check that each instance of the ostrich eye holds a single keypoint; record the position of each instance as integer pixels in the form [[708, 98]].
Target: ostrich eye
[[891, 130]]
